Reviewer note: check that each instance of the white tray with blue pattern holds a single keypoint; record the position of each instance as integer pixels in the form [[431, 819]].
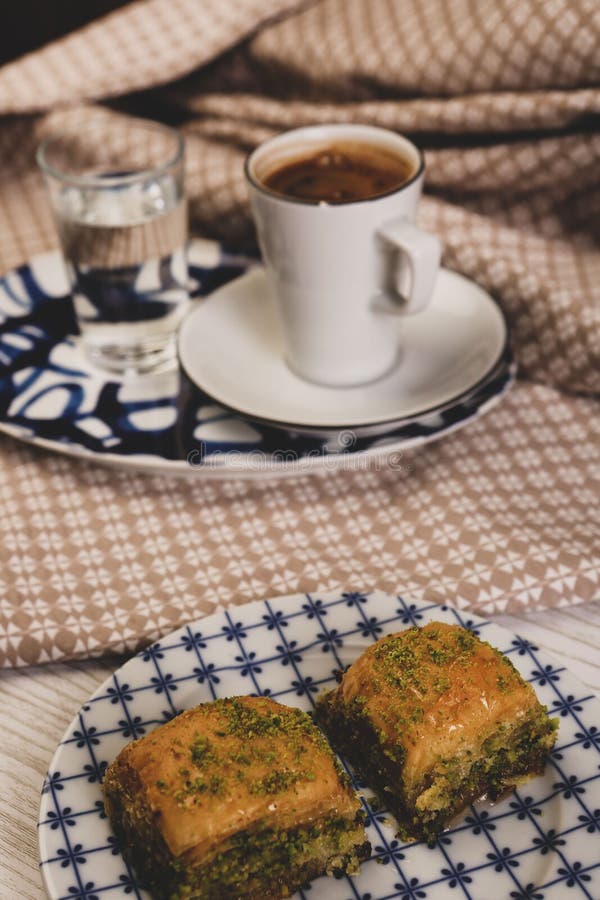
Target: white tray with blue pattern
[[52, 397], [541, 842]]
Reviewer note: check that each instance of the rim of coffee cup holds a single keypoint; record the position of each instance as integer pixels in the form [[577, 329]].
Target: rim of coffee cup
[[318, 134]]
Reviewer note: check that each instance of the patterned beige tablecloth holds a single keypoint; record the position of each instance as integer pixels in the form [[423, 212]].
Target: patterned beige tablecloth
[[504, 98]]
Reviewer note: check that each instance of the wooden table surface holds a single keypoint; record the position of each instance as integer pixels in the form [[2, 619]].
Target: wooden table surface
[[37, 705]]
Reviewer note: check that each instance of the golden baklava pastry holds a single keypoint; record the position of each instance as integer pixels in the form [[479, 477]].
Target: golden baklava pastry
[[238, 798], [433, 718]]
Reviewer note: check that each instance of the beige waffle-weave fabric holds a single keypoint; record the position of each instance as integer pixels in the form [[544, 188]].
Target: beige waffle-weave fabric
[[504, 97]]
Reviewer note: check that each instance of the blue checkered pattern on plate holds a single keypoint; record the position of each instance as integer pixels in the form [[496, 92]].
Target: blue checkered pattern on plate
[[541, 842]]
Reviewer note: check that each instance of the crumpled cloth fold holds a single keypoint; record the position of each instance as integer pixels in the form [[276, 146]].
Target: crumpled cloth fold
[[504, 98]]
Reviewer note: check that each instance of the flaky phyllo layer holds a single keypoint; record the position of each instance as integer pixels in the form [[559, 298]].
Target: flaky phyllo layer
[[241, 797], [433, 718]]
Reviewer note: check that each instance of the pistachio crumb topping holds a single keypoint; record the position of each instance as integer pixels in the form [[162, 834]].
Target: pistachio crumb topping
[[277, 781], [240, 751], [200, 751], [405, 677]]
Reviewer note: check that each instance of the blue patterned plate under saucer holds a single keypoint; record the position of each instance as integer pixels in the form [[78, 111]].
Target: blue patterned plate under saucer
[[53, 397]]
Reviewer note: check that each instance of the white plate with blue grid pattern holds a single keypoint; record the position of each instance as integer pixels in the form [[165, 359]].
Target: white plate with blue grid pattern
[[541, 842]]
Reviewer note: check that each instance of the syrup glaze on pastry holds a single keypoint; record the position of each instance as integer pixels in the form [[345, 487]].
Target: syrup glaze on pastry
[[240, 797], [433, 718]]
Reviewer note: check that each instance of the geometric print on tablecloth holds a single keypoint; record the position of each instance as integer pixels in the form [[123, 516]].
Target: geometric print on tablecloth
[[538, 843], [70, 587], [501, 517], [350, 48], [546, 281]]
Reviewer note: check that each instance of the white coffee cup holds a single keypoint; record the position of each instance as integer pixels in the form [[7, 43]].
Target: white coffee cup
[[342, 274]]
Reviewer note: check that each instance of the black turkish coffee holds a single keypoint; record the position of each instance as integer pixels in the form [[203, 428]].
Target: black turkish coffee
[[340, 173]]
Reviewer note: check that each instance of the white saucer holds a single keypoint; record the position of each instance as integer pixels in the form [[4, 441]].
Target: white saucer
[[230, 346]]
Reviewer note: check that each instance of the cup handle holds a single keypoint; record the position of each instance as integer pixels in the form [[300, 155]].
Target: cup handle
[[414, 269]]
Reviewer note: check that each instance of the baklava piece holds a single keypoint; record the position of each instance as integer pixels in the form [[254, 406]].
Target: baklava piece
[[433, 718], [238, 798]]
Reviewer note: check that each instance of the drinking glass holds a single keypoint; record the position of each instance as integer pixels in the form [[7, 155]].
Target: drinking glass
[[117, 191]]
